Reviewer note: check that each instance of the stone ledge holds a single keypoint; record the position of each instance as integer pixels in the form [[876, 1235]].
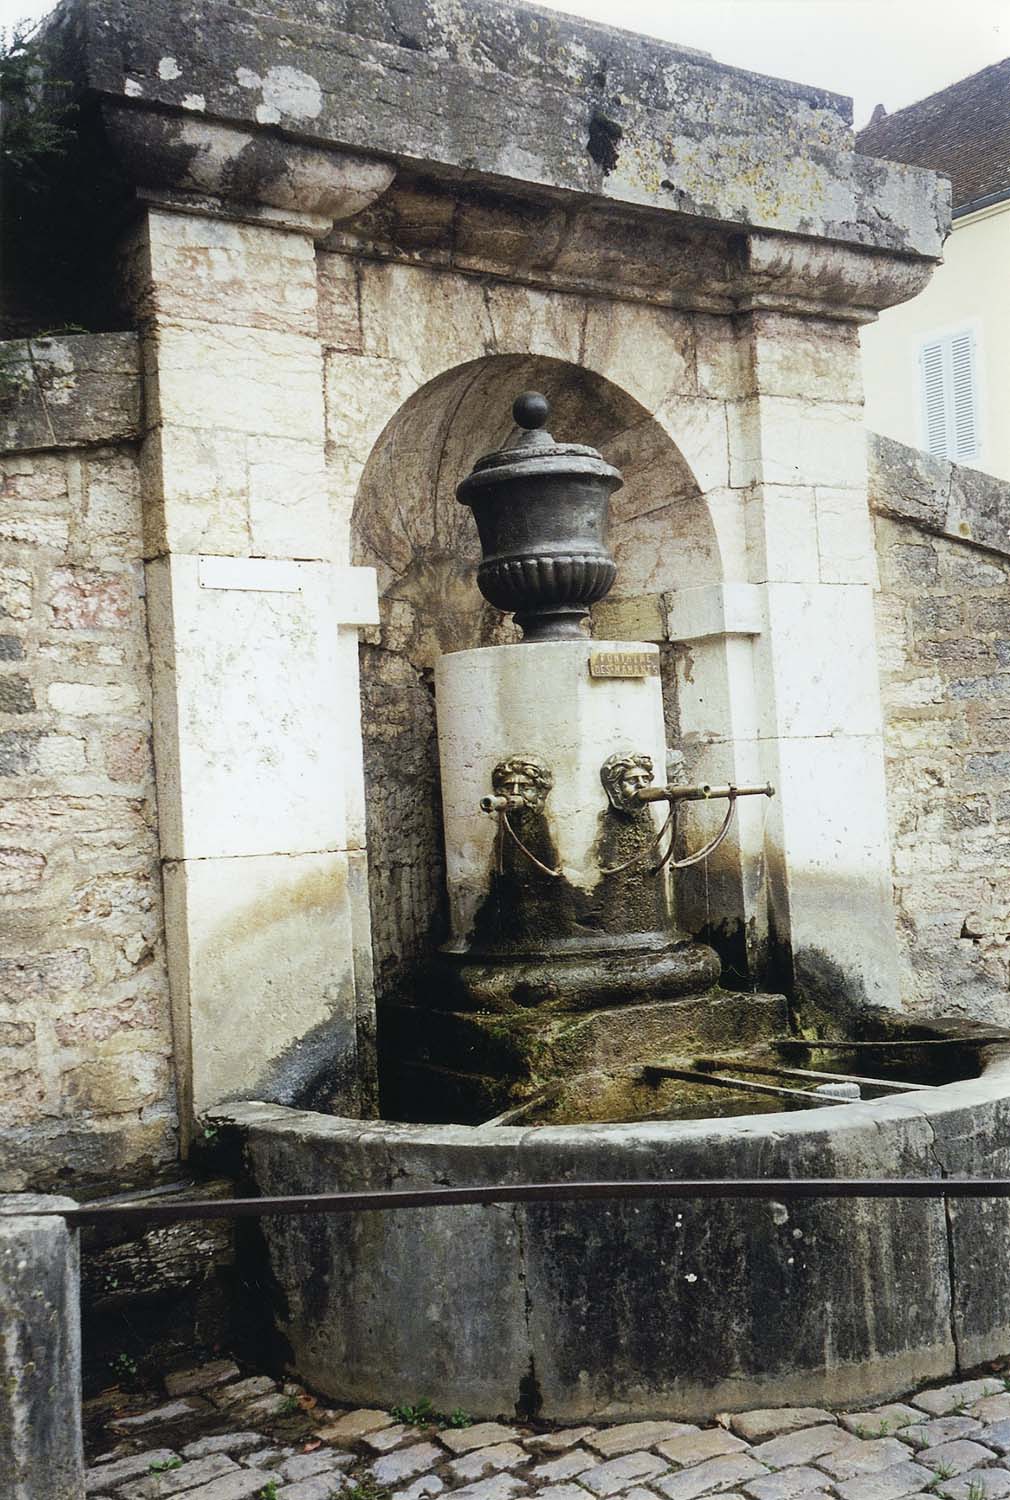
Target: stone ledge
[[69, 391], [516, 96], [947, 499]]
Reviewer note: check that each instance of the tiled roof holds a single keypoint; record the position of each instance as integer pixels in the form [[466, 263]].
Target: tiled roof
[[962, 132]]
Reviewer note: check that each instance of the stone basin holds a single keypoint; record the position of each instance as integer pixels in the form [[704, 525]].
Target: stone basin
[[583, 1310]]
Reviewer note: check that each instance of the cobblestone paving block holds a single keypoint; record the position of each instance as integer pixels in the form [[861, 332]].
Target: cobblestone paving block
[[564, 1467], [790, 1484], [238, 1486], [717, 1474], [557, 1442], [201, 1377], [612, 1441], [174, 1411], [695, 1447], [881, 1421], [956, 1456], [305, 1465], [997, 1436], [482, 1435], [273, 1405], [620, 1473], [174, 1481], [768, 1422], [243, 1390], [864, 1457], [268, 1458], [562, 1492], [224, 1442], [354, 1425], [804, 1446], [887, 1484], [497, 1487], [392, 1468], [487, 1460], [388, 1437], [320, 1487], [639, 1493], [939, 1430], [992, 1408], [428, 1484], [104, 1477], [977, 1484], [949, 1397]]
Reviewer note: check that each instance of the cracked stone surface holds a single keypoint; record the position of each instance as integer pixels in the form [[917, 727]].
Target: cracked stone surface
[[948, 1443]]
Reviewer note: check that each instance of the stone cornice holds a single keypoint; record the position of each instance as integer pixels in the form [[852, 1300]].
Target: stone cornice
[[528, 108]]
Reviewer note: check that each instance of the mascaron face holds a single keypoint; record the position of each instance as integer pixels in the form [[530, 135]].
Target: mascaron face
[[624, 778], [632, 781], [517, 778]]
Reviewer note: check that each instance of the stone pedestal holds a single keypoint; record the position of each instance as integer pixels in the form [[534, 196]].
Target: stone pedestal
[[41, 1449], [560, 909]]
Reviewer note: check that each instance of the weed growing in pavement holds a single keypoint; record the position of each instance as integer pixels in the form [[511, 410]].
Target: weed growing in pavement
[[423, 1414]]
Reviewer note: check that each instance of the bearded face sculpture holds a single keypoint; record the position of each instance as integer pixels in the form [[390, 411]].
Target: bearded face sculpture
[[623, 775], [523, 776]]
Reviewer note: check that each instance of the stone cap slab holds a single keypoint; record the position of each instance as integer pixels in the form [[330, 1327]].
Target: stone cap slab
[[510, 94], [69, 391], [947, 499]]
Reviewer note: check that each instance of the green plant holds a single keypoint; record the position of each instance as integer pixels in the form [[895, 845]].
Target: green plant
[[942, 1471], [34, 108], [163, 1465], [290, 1405], [976, 1490], [365, 1489], [418, 1415], [123, 1366], [423, 1414], [269, 1490]]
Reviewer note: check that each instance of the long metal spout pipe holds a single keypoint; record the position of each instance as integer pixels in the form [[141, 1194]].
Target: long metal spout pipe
[[703, 793]]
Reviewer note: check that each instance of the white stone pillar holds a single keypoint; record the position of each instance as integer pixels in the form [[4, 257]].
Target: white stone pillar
[[253, 617], [798, 447]]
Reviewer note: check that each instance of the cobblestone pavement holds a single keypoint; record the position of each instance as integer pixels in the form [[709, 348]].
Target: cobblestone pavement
[[220, 1435]]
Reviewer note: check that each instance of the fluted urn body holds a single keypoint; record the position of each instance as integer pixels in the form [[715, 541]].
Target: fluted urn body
[[541, 509]]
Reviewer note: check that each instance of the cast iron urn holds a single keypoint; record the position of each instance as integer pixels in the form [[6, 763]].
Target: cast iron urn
[[541, 512]]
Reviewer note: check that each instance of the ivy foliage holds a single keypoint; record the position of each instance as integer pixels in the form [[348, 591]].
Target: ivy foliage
[[36, 115]]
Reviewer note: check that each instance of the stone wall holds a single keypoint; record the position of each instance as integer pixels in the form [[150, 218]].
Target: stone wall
[[85, 1035], [943, 540]]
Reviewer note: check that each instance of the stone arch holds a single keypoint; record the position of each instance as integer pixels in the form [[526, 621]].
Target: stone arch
[[407, 524]]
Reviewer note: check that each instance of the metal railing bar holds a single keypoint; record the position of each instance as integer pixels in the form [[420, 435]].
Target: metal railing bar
[[706, 1189]]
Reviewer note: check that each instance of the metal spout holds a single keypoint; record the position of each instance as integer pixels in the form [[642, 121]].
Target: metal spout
[[704, 793]]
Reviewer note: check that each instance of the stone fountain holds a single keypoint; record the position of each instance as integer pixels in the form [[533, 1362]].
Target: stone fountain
[[569, 1030]]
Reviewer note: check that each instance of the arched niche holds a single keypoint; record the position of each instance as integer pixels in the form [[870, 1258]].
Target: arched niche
[[408, 525]]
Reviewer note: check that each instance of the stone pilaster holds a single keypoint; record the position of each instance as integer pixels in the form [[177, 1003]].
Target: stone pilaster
[[253, 616], [798, 455]]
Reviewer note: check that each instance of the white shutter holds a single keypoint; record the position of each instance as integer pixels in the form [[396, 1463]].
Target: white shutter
[[935, 405], [950, 397], [964, 410]]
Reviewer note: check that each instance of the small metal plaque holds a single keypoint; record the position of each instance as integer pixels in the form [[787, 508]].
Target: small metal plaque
[[624, 664]]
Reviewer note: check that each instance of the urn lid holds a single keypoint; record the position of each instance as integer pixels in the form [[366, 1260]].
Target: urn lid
[[532, 453]]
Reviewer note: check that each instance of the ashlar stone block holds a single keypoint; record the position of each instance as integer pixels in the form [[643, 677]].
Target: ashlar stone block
[[262, 976], [256, 706]]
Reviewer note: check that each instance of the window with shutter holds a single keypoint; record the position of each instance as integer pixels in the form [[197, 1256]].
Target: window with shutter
[[950, 396]]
